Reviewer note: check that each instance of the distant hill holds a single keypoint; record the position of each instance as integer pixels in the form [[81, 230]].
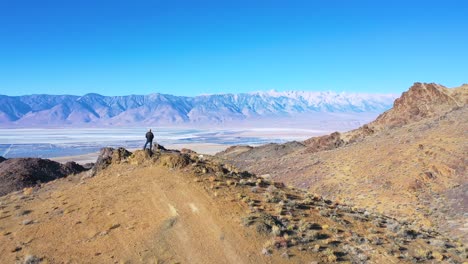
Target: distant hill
[[410, 162], [162, 109]]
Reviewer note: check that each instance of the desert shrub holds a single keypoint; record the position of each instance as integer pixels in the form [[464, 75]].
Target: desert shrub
[[31, 259], [393, 226], [263, 228], [271, 198], [310, 236], [248, 220], [324, 213], [275, 230], [423, 254]]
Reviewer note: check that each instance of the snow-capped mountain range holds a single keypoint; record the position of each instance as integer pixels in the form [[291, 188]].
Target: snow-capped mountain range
[[162, 109]]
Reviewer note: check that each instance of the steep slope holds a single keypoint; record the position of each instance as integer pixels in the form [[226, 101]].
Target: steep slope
[[421, 101], [170, 207], [410, 162], [161, 109]]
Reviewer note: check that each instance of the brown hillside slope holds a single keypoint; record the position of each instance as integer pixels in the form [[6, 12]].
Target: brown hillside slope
[[422, 100], [416, 170], [19, 173], [176, 208]]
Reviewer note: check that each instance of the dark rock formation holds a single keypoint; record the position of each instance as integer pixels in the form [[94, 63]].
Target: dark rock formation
[[2, 159], [88, 166], [157, 147], [18, 173]]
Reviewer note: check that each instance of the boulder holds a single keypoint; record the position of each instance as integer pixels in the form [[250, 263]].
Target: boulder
[[107, 156]]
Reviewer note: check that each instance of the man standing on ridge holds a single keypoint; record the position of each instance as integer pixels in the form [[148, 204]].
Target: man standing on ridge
[[149, 139]]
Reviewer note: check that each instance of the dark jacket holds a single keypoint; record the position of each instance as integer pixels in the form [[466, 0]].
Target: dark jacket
[[149, 136]]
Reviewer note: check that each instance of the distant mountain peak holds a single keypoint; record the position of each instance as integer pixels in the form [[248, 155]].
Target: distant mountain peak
[[164, 109]]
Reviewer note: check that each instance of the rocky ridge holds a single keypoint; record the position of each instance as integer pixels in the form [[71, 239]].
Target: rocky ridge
[[410, 162], [280, 224], [421, 101]]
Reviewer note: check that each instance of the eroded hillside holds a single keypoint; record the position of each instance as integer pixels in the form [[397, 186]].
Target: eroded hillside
[[410, 162], [171, 207]]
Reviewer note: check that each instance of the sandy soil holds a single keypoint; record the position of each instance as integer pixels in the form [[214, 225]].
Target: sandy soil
[[157, 216]]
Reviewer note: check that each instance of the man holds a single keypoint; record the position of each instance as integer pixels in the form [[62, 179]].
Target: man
[[149, 139]]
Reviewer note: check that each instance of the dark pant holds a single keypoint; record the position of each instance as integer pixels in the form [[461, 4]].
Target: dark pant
[[151, 144]]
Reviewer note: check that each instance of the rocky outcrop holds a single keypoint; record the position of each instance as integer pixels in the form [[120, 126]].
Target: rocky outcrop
[[2, 159], [18, 173], [108, 156], [422, 100], [327, 142], [261, 152], [158, 147]]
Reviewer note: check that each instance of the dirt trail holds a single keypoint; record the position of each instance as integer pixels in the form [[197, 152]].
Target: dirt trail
[[148, 215]]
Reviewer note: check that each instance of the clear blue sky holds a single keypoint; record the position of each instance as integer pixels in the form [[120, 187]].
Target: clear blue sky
[[197, 47]]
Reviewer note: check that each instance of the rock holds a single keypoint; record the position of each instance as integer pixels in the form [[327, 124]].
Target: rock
[[120, 155], [107, 156], [31, 259], [160, 148], [2, 159], [327, 142], [16, 249], [28, 222], [103, 161], [266, 252], [114, 226], [88, 165], [23, 212]]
